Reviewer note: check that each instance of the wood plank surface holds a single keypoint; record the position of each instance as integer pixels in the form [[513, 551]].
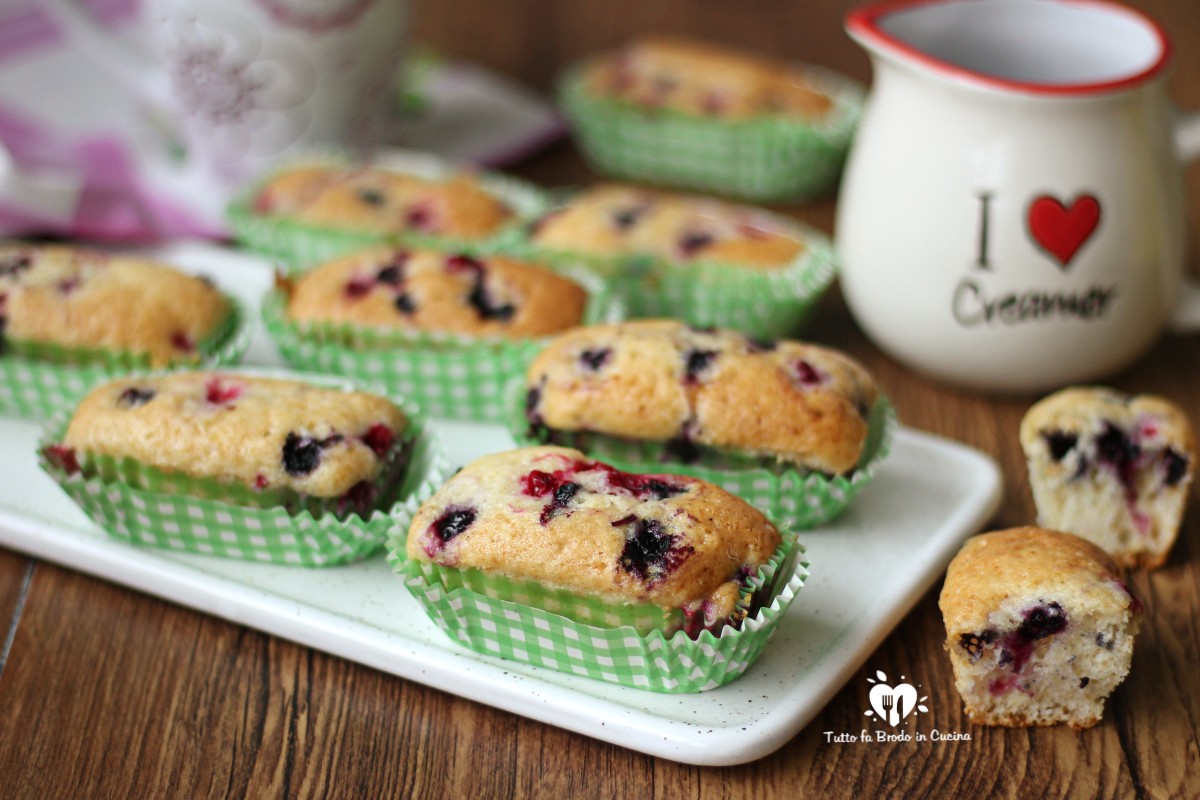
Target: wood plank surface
[[110, 693]]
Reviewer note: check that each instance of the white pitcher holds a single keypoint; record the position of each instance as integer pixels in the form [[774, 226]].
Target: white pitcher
[[1011, 216]]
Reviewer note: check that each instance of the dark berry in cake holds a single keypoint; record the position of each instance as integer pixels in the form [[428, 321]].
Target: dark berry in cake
[[181, 341], [1176, 466], [453, 522], [483, 302], [596, 358], [15, 264], [1060, 443], [359, 287], [405, 303], [302, 454], [693, 242], [650, 552], [372, 197], [697, 362], [1042, 621], [134, 397], [808, 375]]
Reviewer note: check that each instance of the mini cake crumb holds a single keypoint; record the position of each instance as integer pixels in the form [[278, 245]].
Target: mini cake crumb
[[1039, 628]]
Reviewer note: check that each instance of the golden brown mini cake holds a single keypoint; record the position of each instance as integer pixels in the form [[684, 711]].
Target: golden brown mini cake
[[1112, 468], [552, 515], [258, 432], [426, 290], [1039, 628], [378, 200], [704, 80], [74, 298], [665, 381], [615, 220]]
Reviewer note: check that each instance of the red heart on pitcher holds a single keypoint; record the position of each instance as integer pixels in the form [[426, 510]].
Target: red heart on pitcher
[[1061, 231]]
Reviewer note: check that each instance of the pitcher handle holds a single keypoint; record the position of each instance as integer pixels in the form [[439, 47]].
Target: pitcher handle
[[1187, 135]]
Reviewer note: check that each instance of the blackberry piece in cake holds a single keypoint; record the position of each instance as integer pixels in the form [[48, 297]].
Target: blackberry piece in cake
[[614, 220], [88, 301], [385, 287], [1039, 628], [552, 515], [378, 200], [1112, 468], [258, 432], [704, 80], [662, 380]]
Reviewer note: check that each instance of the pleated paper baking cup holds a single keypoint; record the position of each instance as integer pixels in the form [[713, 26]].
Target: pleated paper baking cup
[[37, 380], [523, 621], [763, 303], [800, 499], [145, 506], [296, 246], [764, 160], [454, 377]]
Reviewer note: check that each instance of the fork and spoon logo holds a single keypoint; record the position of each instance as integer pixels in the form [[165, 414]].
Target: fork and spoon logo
[[893, 703]]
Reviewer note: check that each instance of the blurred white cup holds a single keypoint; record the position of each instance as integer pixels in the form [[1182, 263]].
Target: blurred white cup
[[253, 80]]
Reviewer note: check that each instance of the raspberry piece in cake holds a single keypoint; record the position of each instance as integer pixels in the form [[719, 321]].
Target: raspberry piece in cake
[[258, 432], [427, 290], [1039, 628], [552, 515], [382, 201], [662, 380], [612, 220], [79, 299], [1112, 468]]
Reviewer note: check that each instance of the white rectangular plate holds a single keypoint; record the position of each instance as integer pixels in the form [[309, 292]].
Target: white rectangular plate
[[867, 570]]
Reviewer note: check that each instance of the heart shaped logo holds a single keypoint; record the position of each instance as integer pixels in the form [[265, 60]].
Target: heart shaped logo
[[1060, 230], [893, 704]]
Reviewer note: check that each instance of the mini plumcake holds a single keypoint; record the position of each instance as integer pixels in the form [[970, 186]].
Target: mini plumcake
[[1039, 628], [255, 433], [800, 404], [436, 291], [76, 305], [704, 80], [619, 221], [1112, 468], [379, 200], [553, 516]]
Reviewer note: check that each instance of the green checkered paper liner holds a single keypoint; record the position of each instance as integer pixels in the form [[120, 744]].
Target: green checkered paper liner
[[37, 379], [146, 506], [524, 621], [761, 303], [764, 160], [799, 498], [297, 246], [449, 376]]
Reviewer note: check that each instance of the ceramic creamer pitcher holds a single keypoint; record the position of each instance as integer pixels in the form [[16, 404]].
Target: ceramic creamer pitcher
[[1011, 216]]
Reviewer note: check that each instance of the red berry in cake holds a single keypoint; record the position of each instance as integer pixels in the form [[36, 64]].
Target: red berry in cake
[[218, 392], [181, 341], [359, 287], [808, 375], [379, 438]]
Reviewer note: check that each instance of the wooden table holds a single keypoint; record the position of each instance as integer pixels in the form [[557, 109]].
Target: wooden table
[[109, 693]]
